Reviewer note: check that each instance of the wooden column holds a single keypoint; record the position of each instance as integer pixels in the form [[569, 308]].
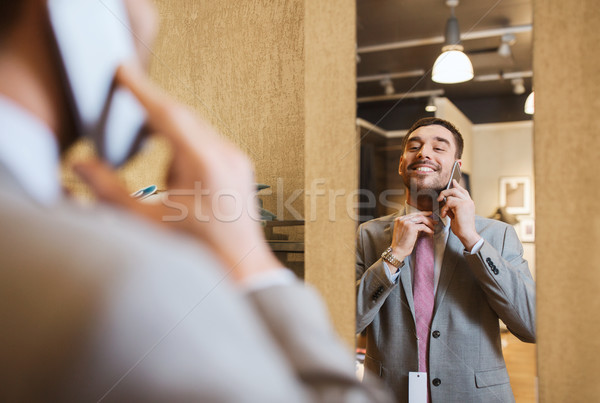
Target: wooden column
[[567, 155]]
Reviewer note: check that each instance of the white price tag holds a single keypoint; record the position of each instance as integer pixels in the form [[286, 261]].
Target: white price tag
[[417, 387]]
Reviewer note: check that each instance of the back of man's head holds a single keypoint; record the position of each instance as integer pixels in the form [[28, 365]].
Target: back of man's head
[[458, 138], [9, 15]]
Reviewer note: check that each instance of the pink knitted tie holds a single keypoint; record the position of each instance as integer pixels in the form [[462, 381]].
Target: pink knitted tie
[[423, 294]]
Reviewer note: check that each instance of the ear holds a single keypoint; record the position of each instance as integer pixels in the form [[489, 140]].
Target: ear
[[400, 167], [459, 163]]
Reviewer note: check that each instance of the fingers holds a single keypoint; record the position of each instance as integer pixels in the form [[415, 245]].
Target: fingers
[[107, 187], [421, 221], [447, 210], [149, 95], [415, 216], [164, 114], [103, 182], [455, 191], [425, 228]]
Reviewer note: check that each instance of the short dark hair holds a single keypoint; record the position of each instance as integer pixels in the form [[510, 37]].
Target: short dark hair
[[10, 10], [458, 138]]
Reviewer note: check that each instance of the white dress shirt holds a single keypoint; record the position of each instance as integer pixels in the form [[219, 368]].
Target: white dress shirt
[[29, 151]]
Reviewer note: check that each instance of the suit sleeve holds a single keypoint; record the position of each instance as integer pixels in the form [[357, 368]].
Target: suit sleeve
[[372, 283], [297, 320], [506, 280]]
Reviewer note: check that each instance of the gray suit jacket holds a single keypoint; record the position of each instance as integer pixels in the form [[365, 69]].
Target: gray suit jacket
[[97, 304], [473, 292]]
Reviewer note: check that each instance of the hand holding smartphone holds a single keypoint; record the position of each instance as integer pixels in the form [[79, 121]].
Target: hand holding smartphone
[[92, 38], [455, 175]]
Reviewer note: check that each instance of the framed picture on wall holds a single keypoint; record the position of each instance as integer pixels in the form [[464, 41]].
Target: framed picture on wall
[[527, 229], [515, 194]]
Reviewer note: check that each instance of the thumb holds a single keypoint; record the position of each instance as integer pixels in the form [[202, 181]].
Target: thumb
[[104, 182]]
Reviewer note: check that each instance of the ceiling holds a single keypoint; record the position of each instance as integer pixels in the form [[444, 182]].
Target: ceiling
[[388, 21]]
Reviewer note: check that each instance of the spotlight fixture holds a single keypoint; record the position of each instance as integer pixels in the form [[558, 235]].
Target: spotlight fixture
[[529, 104], [518, 86], [452, 66], [431, 107], [504, 49], [388, 86]]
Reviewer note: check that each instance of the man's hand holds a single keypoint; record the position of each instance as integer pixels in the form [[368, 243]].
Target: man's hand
[[406, 231], [460, 208], [208, 175]]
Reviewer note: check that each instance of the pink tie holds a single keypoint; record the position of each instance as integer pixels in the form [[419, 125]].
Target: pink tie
[[423, 294]]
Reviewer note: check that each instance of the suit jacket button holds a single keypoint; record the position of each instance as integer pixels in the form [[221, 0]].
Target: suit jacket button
[[436, 382], [496, 271], [488, 260], [436, 334]]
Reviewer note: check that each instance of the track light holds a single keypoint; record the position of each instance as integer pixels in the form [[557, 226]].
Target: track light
[[452, 66], [388, 86], [505, 47], [431, 107], [518, 86]]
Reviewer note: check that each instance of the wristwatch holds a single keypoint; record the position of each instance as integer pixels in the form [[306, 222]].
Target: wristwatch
[[391, 259]]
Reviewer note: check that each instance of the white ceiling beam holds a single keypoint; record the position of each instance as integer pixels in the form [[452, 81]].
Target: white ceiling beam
[[504, 76], [487, 33], [402, 74], [405, 95]]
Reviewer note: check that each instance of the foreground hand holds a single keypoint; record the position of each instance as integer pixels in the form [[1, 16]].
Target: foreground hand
[[460, 208], [406, 231], [210, 179]]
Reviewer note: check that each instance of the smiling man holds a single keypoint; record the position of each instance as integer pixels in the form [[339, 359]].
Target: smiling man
[[433, 280]]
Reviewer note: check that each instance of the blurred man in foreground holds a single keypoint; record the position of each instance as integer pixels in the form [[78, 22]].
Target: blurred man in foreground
[[103, 304]]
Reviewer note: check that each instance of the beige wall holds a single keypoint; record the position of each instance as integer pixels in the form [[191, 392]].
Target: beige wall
[[567, 151], [241, 65], [278, 78], [499, 149]]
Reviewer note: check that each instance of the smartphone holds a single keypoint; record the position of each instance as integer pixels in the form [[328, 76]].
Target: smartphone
[[456, 174], [92, 38]]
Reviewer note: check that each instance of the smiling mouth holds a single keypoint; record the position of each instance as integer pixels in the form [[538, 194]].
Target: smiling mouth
[[424, 169]]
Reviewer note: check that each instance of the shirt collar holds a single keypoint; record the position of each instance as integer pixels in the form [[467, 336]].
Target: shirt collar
[[28, 149], [445, 220]]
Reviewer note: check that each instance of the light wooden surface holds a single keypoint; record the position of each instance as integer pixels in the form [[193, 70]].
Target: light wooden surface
[[331, 149], [520, 361], [566, 66]]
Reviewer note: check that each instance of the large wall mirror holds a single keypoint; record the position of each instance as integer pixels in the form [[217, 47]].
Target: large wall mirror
[[398, 43]]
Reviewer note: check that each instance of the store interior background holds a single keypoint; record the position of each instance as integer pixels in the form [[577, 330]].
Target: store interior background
[[279, 79]]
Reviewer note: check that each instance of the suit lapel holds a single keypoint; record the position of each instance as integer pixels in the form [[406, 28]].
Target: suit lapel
[[405, 272], [454, 248]]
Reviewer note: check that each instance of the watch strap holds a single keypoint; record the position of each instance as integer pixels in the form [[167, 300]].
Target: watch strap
[[389, 257]]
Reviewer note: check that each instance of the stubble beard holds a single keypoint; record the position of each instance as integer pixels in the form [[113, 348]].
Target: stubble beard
[[424, 191]]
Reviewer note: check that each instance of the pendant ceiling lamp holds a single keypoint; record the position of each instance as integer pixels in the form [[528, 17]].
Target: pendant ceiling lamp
[[431, 106], [452, 66], [529, 104]]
